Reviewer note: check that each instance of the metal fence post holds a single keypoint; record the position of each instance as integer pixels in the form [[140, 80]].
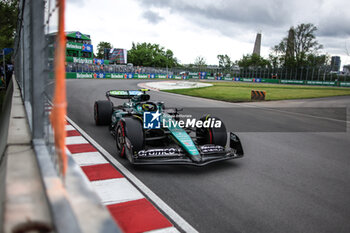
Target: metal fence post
[[27, 56], [38, 66]]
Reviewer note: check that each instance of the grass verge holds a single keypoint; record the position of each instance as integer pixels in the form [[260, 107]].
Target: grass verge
[[239, 92]]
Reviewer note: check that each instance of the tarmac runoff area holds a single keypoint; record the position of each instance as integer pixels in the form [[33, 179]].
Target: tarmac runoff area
[[171, 85]]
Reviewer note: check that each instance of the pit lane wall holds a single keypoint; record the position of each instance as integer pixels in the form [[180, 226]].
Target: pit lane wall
[[202, 76]]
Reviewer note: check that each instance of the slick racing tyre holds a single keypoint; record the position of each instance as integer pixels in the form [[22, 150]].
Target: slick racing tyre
[[211, 135], [130, 128], [103, 112]]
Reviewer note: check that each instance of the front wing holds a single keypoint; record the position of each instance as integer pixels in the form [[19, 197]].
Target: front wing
[[207, 154]]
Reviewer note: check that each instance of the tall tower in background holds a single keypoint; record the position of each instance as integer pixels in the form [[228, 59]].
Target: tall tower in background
[[290, 45], [257, 44]]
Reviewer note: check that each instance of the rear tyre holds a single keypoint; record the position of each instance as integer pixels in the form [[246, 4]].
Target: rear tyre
[[133, 130], [103, 112], [212, 135]]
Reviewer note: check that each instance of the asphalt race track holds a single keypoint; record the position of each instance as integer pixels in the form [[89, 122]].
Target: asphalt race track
[[295, 176]]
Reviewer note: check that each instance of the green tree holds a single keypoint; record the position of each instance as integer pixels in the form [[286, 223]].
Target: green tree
[[153, 55], [224, 61], [253, 61], [100, 48], [8, 22], [200, 62], [296, 48]]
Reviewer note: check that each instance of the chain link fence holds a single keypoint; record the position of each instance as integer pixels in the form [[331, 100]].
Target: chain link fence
[[322, 73], [33, 56]]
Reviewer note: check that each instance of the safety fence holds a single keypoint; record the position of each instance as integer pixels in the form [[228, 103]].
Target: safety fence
[[33, 66], [321, 73], [39, 59], [201, 76]]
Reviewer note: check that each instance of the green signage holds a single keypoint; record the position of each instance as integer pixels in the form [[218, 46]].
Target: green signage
[[326, 83], [141, 76], [292, 81], [80, 60], [74, 46], [344, 84], [269, 80], [115, 76], [161, 76], [84, 75]]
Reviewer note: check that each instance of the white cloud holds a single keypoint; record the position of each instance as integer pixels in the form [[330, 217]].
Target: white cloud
[[208, 27]]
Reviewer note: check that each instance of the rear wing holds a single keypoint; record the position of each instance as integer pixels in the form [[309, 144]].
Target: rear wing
[[124, 94]]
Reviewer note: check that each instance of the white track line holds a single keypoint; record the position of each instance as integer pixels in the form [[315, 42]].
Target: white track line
[[176, 218], [164, 230]]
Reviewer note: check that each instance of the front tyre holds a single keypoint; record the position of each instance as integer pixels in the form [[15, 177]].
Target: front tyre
[[103, 112], [212, 135], [131, 129]]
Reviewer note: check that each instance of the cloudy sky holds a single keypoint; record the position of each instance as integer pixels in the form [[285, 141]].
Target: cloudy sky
[[192, 28]]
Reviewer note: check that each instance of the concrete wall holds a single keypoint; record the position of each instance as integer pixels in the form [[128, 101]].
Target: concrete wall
[[23, 201]]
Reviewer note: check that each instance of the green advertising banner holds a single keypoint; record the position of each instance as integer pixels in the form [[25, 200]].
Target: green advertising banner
[[71, 75], [269, 80], [246, 79], [194, 77], [161, 76], [80, 60], [228, 79], [74, 46], [84, 75], [79, 46], [116, 76], [325, 83], [292, 81], [141, 76], [211, 78], [344, 84]]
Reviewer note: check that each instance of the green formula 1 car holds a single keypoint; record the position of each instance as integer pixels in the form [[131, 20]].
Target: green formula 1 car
[[148, 133]]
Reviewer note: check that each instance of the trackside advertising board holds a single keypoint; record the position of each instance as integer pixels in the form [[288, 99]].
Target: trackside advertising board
[[323, 83], [292, 81]]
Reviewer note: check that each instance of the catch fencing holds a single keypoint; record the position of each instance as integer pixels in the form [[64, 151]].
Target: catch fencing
[[66, 193], [33, 58], [316, 73]]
